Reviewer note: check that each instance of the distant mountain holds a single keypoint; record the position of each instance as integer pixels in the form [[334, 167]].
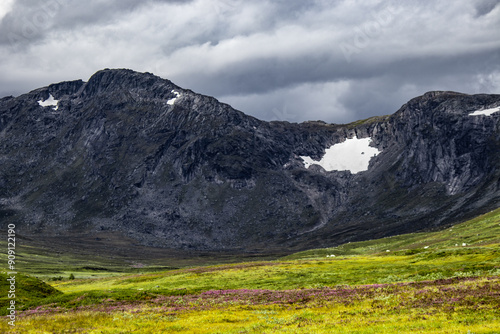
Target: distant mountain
[[136, 155]]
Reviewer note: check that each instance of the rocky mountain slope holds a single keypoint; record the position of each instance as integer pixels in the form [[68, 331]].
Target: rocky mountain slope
[[133, 154]]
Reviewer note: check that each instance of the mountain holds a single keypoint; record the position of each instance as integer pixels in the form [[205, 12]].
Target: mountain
[[134, 155]]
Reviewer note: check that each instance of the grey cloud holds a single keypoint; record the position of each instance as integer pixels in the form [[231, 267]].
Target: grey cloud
[[285, 59], [271, 74], [485, 7], [31, 20], [375, 91]]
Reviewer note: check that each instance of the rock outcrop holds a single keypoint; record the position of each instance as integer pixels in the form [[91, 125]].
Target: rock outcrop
[[135, 154]]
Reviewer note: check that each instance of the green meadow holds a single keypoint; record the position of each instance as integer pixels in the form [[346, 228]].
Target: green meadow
[[437, 282]]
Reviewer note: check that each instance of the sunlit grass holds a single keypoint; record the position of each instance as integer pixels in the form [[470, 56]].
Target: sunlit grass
[[454, 306], [478, 232], [292, 274], [440, 282]]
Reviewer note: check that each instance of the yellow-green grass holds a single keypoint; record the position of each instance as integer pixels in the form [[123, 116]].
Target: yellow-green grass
[[420, 257], [58, 258], [266, 319], [483, 230], [278, 275], [412, 257], [454, 306], [414, 263], [47, 265], [293, 274], [24, 289]]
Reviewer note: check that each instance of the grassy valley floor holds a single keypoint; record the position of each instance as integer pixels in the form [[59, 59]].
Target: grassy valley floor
[[439, 282], [466, 305]]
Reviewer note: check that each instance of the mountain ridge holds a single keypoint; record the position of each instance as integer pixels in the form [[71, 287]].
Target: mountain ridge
[[135, 154]]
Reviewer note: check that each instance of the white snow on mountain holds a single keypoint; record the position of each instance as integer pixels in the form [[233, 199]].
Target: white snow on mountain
[[353, 155], [487, 112], [172, 101], [50, 102]]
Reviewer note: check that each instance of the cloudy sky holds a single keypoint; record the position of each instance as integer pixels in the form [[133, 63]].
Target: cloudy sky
[[294, 60]]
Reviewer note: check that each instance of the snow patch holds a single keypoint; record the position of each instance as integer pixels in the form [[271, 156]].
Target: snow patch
[[487, 112], [172, 101], [353, 155], [50, 102]]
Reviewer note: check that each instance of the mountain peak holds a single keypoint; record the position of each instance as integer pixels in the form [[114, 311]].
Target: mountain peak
[[121, 73], [134, 154], [441, 93], [123, 79]]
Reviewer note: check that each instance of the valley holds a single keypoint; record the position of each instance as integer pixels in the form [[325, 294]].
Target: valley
[[441, 282], [140, 206], [128, 160]]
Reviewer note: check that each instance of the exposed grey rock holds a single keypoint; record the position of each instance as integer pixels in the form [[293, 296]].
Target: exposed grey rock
[[196, 173]]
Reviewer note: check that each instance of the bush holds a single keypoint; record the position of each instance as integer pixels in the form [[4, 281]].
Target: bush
[[413, 251]]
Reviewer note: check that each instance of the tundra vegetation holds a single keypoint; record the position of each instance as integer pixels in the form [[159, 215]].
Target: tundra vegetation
[[446, 281]]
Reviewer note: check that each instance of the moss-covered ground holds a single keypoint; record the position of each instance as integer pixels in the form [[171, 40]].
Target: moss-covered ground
[[438, 282]]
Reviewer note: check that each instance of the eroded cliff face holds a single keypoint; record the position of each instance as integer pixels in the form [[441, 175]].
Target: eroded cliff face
[[135, 154]]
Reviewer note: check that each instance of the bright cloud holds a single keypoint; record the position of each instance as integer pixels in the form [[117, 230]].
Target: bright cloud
[[5, 7], [241, 50]]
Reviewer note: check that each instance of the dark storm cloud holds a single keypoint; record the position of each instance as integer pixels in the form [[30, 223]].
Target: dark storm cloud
[[381, 89], [486, 6], [284, 59]]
